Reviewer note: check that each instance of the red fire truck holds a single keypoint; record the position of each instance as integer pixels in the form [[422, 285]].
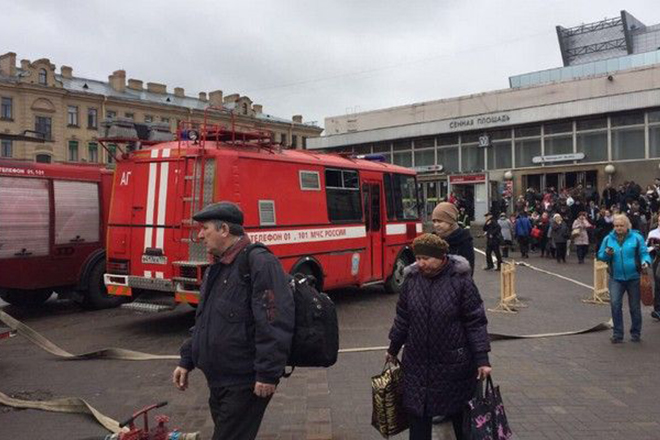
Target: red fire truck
[[344, 220], [52, 232]]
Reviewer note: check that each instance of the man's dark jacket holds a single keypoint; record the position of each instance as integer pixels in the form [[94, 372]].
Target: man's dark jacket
[[242, 331], [493, 233], [442, 322], [460, 243]]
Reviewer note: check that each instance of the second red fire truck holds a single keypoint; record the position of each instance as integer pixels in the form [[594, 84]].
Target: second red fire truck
[[346, 221]]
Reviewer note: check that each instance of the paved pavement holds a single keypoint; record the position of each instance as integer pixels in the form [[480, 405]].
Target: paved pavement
[[577, 387]]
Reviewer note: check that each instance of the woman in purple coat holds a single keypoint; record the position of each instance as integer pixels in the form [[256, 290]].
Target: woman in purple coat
[[441, 320]]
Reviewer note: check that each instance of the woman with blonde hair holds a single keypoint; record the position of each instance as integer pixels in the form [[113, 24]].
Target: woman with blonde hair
[[624, 250]]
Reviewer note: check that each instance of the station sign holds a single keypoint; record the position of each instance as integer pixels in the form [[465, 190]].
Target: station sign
[[428, 168], [467, 178], [558, 158]]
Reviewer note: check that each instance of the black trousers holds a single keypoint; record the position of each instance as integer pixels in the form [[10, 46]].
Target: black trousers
[[421, 428], [236, 412], [582, 250], [560, 252], [524, 246], [490, 248]]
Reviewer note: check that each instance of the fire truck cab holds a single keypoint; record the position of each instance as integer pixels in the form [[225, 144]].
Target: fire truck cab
[[52, 233], [344, 220]]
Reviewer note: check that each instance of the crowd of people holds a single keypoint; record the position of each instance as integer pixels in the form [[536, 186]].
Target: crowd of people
[[553, 222]]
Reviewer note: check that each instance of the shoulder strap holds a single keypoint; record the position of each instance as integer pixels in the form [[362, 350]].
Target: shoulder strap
[[244, 260]]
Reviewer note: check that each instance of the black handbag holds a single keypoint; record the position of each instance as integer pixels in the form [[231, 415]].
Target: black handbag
[[484, 417]]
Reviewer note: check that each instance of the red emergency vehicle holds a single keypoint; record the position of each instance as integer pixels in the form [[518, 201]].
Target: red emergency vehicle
[[52, 232], [346, 221]]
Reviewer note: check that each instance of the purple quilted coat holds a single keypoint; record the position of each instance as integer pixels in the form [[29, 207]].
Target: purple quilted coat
[[442, 322]]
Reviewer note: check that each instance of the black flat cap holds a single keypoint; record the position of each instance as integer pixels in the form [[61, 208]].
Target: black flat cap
[[225, 211]]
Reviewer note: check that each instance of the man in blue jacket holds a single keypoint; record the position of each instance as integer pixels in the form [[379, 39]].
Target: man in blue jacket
[[625, 252], [523, 229], [243, 331]]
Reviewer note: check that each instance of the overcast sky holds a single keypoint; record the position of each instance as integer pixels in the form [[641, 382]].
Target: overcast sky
[[315, 58]]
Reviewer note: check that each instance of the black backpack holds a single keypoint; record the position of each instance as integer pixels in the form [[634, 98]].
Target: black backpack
[[316, 332]]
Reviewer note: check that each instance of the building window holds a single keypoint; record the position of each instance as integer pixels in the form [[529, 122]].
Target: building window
[[654, 133], [448, 158], [402, 145], [403, 158], [92, 152], [424, 157], [72, 116], [129, 115], [43, 77], [592, 139], [112, 149], [73, 151], [43, 158], [245, 108], [499, 155], [628, 136], [283, 139], [7, 148], [294, 141], [92, 118], [558, 145], [6, 108], [43, 124], [526, 150], [110, 114], [472, 158], [424, 143], [165, 120], [148, 119], [304, 141]]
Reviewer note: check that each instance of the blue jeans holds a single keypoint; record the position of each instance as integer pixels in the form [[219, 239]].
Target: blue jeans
[[617, 289]]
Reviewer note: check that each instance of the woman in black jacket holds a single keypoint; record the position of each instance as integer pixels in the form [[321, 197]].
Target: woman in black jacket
[[440, 319], [445, 226]]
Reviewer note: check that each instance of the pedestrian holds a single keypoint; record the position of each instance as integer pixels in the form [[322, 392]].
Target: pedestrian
[[580, 236], [463, 218], [523, 229], [493, 234], [542, 225], [445, 226], [559, 235], [603, 226], [653, 243], [243, 331], [440, 319], [626, 254], [506, 227]]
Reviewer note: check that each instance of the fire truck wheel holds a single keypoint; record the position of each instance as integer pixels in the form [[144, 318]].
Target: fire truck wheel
[[395, 281], [96, 297], [26, 298]]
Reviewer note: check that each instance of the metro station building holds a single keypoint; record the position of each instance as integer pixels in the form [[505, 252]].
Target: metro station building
[[559, 127]]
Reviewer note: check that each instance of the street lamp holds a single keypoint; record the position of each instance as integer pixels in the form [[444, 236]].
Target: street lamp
[[610, 170]]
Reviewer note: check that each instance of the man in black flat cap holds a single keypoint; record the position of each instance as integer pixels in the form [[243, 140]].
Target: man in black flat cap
[[243, 330]]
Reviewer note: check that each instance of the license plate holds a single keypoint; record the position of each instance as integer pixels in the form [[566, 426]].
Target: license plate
[[154, 259]]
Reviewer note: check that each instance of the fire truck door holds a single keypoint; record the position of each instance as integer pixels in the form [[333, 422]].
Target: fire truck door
[[372, 215]]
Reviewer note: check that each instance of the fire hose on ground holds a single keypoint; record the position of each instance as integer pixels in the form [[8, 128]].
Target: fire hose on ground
[[77, 405]]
